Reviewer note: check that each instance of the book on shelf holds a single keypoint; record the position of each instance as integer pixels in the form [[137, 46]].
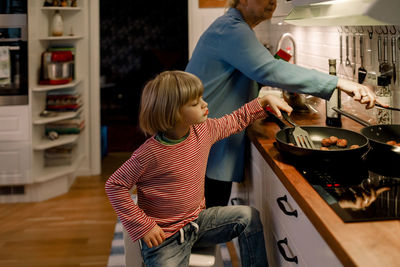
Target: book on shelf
[[63, 100], [60, 155], [69, 126]]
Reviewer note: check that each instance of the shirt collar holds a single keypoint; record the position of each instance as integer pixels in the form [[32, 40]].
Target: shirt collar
[[234, 13]]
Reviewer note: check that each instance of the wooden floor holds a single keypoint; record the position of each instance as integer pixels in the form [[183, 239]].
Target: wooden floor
[[75, 229]]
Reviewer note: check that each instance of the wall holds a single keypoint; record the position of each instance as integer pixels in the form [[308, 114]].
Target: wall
[[315, 45]]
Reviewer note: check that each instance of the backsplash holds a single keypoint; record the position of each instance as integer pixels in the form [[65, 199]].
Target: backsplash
[[315, 45]]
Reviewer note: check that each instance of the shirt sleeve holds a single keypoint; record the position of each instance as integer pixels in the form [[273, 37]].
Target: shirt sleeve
[[236, 121], [117, 187], [237, 44]]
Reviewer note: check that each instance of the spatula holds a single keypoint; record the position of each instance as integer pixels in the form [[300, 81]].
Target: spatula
[[301, 136], [362, 72]]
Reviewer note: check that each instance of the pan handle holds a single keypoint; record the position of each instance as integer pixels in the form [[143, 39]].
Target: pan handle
[[351, 116], [272, 117], [391, 108], [288, 119]]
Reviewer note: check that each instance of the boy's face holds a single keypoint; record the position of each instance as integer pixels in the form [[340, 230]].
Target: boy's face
[[195, 111]]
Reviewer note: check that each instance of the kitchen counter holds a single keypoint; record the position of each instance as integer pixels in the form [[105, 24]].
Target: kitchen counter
[[375, 243]]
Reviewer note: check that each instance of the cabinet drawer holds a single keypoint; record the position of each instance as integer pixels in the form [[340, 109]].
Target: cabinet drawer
[[14, 163], [287, 215], [14, 123], [284, 250]]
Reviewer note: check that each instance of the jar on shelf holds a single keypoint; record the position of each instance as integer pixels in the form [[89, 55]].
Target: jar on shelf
[[57, 25], [384, 96]]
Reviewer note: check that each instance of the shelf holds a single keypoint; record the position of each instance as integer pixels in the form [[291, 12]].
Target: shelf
[[68, 8], [60, 117], [45, 88], [49, 173], [61, 38], [62, 140]]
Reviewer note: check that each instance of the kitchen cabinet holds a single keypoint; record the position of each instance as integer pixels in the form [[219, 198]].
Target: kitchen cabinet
[[290, 236], [81, 27]]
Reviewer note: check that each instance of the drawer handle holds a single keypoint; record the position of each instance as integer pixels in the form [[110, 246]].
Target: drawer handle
[[282, 251], [283, 208]]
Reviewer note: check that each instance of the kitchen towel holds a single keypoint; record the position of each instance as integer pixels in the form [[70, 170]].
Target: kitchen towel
[[4, 65]]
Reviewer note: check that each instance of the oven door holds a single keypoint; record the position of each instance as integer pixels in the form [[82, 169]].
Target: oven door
[[13, 60]]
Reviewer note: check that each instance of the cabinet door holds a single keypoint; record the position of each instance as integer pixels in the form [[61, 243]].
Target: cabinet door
[[14, 124], [285, 220], [288, 218], [14, 163]]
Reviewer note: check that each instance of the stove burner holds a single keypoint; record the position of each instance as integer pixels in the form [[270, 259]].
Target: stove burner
[[363, 190]]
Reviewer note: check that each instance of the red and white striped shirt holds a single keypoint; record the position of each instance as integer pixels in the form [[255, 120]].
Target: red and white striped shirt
[[170, 178]]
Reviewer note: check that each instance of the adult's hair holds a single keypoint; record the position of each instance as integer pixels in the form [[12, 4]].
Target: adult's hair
[[163, 97], [232, 3]]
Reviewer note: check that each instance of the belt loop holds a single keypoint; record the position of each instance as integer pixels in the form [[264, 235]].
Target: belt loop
[[196, 226], [182, 234]]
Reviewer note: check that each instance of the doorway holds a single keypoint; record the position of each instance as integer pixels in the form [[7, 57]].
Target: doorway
[[138, 39]]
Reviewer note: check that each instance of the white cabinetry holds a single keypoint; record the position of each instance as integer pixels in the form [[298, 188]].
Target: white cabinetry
[[81, 27], [14, 148], [290, 236]]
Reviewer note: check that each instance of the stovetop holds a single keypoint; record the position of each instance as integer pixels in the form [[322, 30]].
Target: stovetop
[[361, 190]]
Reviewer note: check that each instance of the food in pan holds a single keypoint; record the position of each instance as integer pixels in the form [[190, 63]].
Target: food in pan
[[326, 142], [341, 143], [333, 139], [391, 142]]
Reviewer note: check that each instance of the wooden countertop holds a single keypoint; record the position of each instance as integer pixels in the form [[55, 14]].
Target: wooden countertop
[[375, 243]]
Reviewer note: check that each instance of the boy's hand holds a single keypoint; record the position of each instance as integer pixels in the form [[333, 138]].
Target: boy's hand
[[154, 237], [275, 104]]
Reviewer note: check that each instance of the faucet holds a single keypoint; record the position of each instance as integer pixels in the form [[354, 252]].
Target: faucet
[[291, 37], [295, 100]]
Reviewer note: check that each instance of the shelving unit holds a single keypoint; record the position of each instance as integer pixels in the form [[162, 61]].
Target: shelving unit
[[45, 88], [62, 140], [81, 30], [59, 117]]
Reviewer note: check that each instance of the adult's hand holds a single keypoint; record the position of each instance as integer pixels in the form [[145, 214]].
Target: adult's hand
[[358, 92], [154, 237]]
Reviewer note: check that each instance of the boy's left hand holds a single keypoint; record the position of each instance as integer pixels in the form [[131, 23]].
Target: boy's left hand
[[154, 237]]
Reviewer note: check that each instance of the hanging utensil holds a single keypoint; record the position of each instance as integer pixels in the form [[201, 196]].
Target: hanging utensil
[[362, 72], [348, 63], [379, 52], [384, 67], [394, 55], [354, 55]]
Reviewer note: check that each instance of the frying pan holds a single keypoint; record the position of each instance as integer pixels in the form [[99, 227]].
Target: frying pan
[[378, 135], [284, 138]]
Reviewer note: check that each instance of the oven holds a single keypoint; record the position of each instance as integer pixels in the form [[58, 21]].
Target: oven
[[13, 53]]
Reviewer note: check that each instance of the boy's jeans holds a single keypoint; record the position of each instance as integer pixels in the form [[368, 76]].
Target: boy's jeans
[[213, 226]]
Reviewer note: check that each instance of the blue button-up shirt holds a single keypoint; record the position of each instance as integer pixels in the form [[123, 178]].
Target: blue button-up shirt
[[230, 61]]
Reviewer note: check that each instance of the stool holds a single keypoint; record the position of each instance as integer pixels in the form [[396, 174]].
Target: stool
[[200, 257]]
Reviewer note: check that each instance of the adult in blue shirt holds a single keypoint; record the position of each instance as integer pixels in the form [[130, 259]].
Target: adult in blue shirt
[[230, 61]]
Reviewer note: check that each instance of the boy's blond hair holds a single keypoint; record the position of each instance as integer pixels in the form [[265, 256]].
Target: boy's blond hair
[[163, 97]]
